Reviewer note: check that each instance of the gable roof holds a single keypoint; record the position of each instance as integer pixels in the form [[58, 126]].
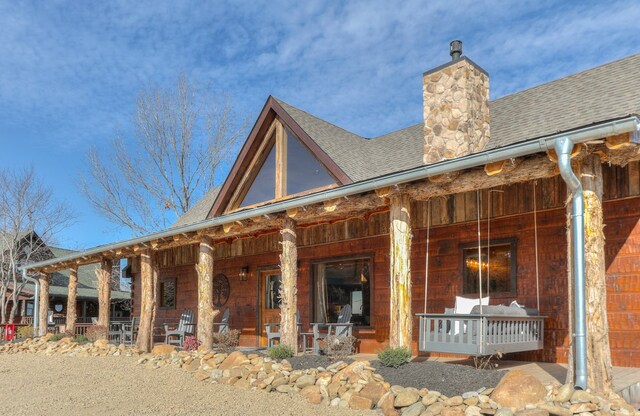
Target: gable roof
[[199, 211], [600, 94]]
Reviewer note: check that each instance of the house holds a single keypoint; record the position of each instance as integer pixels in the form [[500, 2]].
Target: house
[[87, 294], [313, 217]]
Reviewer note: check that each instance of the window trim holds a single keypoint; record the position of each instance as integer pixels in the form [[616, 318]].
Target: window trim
[[364, 256], [513, 243], [175, 300]]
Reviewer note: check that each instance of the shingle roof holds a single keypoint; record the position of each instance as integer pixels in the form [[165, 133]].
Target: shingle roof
[[596, 95], [603, 93], [199, 211]]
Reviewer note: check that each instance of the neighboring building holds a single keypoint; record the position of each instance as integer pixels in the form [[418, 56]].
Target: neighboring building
[[361, 210], [87, 305]]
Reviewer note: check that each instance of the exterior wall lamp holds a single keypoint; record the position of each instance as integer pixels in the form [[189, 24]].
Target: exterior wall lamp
[[244, 271]]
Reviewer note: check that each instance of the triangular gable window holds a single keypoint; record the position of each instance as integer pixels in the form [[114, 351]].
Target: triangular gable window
[[288, 169]]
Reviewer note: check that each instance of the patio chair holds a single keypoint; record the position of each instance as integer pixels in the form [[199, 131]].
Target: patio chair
[[273, 330], [114, 333], [130, 331], [223, 325], [342, 327], [174, 333]]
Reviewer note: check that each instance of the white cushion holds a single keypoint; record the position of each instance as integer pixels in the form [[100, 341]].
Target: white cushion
[[464, 305]]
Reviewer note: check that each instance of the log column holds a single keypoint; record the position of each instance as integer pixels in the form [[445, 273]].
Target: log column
[[104, 291], [71, 300], [43, 312], [147, 301], [598, 348], [206, 312], [400, 323], [289, 286]]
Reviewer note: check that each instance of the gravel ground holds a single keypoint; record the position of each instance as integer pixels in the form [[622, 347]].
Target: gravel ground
[[448, 379], [34, 384]]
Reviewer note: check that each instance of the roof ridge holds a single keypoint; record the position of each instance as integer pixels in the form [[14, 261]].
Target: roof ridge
[[567, 77], [281, 102]]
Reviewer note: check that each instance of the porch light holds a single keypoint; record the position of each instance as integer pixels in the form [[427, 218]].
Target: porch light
[[244, 271]]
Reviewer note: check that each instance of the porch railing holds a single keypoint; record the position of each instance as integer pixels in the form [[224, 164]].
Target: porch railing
[[479, 334]]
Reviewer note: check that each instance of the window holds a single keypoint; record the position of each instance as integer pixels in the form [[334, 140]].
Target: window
[[341, 282], [168, 293], [283, 167], [29, 308], [272, 291], [496, 266]]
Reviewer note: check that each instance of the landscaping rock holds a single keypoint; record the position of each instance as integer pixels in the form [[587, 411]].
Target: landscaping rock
[[234, 359], [359, 402], [373, 391], [564, 393], [583, 407], [532, 412], [414, 410], [518, 389], [312, 394], [452, 411], [161, 349], [407, 397], [305, 380], [556, 410]]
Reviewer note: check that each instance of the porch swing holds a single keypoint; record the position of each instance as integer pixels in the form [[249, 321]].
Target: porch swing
[[474, 327]]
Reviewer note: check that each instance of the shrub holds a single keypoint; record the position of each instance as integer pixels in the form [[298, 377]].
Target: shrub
[[24, 332], [80, 339], [226, 341], [96, 332], [280, 352], [339, 346], [394, 357], [190, 343], [56, 337]]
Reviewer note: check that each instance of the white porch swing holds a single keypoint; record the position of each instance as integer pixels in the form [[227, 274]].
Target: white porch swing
[[481, 330]]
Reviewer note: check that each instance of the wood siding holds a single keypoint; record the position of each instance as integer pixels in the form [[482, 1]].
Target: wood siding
[[453, 224]]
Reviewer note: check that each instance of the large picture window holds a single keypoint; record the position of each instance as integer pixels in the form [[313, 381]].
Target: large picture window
[[341, 282], [496, 266], [168, 293]]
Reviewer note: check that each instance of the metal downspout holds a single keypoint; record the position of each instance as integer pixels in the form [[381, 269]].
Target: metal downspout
[[563, 147], [36, 301]]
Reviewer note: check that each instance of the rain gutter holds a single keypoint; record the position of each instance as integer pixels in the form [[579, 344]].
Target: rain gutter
[[580, 135]]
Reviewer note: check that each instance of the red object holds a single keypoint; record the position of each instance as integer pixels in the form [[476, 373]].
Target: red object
[[9, 332]]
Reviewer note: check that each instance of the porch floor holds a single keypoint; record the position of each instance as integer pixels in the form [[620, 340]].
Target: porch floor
[[623, 377]]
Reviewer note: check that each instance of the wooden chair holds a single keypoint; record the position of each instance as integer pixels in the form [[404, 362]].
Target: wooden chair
[[223, 325], [174, 333], [342, 327], [130, 331], [273, 330]]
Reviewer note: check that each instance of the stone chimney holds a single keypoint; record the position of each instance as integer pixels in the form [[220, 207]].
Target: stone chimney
[[456, 108]]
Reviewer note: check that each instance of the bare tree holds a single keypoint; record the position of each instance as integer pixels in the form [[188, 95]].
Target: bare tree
[[183, 136], [30, 218]]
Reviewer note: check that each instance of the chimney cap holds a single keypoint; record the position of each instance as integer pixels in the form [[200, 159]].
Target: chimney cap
[[455, 49]]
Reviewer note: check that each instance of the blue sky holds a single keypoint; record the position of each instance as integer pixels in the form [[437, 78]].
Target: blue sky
[[70, 71]]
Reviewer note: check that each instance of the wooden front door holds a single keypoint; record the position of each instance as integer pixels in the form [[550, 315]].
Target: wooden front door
[[270, 281]]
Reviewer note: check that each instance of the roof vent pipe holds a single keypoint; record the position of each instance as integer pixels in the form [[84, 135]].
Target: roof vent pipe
[[455, 49], [563, 147]]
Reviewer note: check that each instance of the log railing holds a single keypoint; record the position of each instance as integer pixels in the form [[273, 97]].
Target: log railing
[[479, 334]]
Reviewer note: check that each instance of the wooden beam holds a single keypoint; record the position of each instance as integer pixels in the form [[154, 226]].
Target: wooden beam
[[43, 312], [289, 287], [281, 160], [331, 205], [575, 152], [104, 291], [598, 346], [502, 166], [618, 141], [292, 212], [400, 323], [444, 178], [206, 311], [71, 300], [145, 332]]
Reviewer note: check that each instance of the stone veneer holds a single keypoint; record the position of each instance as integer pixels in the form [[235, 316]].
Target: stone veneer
[[456, 110]]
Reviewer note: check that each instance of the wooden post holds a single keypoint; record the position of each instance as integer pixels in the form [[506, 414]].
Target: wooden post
[[289, 286], [104, 291], [400, 323], [598, 348], [43, 313], [206, 312], [145, 332], [71, 300]]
